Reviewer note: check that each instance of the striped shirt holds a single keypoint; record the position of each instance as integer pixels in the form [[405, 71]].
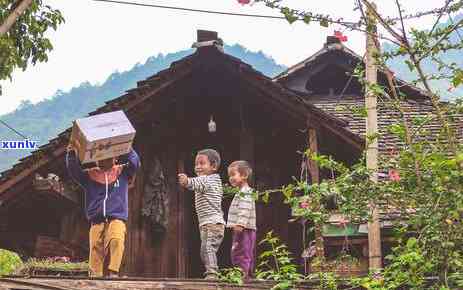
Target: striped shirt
[[208, 198], [242, 210]]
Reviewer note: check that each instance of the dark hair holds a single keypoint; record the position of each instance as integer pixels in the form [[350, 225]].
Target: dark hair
[[212, 155], [243, 167]]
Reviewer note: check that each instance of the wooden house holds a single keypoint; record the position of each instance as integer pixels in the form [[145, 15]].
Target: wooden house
[[265, 121]]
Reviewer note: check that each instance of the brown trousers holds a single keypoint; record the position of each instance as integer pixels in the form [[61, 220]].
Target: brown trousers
[[106, 247]]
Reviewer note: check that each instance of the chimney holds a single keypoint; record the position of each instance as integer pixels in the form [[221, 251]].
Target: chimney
[[206, 35], [332, 42], [208, 38]]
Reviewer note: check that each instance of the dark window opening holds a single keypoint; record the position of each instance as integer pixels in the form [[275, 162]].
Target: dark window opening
[[333, 80]]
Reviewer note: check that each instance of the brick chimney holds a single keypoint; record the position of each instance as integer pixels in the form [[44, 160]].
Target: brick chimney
[[208, 38]]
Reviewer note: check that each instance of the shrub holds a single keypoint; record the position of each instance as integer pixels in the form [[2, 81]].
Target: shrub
[[9, 261]]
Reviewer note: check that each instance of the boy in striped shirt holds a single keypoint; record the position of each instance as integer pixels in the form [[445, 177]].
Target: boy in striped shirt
[[242, 217], [208, 203]]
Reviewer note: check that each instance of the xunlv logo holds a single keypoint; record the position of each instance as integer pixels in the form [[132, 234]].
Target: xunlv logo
[[26, 144]]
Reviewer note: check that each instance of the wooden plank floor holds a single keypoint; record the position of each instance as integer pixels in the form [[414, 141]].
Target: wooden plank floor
[[136, 283], [55, 283]]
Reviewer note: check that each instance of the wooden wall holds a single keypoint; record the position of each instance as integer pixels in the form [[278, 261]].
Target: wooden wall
[[174, 130]]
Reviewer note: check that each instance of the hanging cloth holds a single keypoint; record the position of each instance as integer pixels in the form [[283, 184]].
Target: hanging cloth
[[155, 199]]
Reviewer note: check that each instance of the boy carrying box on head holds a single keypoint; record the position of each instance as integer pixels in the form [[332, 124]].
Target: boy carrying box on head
[[106, 206], [242, 218], [208, 203]]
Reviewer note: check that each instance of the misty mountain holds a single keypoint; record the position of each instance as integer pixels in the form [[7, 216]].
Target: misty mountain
[[44, 120]]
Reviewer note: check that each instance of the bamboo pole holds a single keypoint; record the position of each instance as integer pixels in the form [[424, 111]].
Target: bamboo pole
[[371, 73], [11, 19]]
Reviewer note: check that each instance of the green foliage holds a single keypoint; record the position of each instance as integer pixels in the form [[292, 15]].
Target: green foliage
[[32, 265], [289, 14], [25, 42], [293, 15], [441, 63], [428, 199], [327, 281], [407, 269], [9, 262], [275, 264], [421, 182], [231, 275]]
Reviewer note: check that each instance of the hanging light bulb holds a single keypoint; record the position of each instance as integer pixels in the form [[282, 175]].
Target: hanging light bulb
[[212, 126]]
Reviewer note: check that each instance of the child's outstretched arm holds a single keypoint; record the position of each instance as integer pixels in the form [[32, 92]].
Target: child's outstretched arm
[[198, 184]]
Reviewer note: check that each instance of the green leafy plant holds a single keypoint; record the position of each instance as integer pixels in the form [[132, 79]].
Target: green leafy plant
[[327, 281], [9, 262], [276, 264], [25, 42], [408, 269], [421, 178], [231, 275]]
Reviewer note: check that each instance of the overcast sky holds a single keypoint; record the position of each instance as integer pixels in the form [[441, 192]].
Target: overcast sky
[[100, 38]]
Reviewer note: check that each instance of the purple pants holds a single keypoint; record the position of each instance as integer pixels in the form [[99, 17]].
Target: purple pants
[[242, 251]]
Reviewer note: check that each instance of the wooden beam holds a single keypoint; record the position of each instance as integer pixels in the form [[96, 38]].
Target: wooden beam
[[353, 241], [313, 146], [315, 178], [55, 188], [26, 172], [371, 74], [182, 253], [349, 137]]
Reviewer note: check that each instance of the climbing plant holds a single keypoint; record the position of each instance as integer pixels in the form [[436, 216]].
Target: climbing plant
[[421, 176]]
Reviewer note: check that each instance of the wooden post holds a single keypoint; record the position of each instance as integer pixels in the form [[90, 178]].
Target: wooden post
[[11, 19], [313, 146], [315, 178], [374, 227], [182, 253]]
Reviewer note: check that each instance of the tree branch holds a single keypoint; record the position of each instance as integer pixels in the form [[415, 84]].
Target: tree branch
[[441, 13], [11, 19], [383, 21], [446, 34]]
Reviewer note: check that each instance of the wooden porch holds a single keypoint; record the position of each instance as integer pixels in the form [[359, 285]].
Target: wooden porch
[[74, 283]]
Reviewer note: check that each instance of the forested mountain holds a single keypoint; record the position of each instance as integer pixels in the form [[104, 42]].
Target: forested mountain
[[44, 120]]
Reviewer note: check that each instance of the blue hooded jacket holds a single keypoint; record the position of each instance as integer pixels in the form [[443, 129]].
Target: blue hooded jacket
[[106, 192]]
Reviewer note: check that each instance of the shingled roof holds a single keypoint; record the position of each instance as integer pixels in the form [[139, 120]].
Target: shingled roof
[[387, 115], [416, 103], [151, 87], [335, 47]]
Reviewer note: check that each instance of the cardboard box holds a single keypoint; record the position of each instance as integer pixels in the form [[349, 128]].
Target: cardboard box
[[102, 136]]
